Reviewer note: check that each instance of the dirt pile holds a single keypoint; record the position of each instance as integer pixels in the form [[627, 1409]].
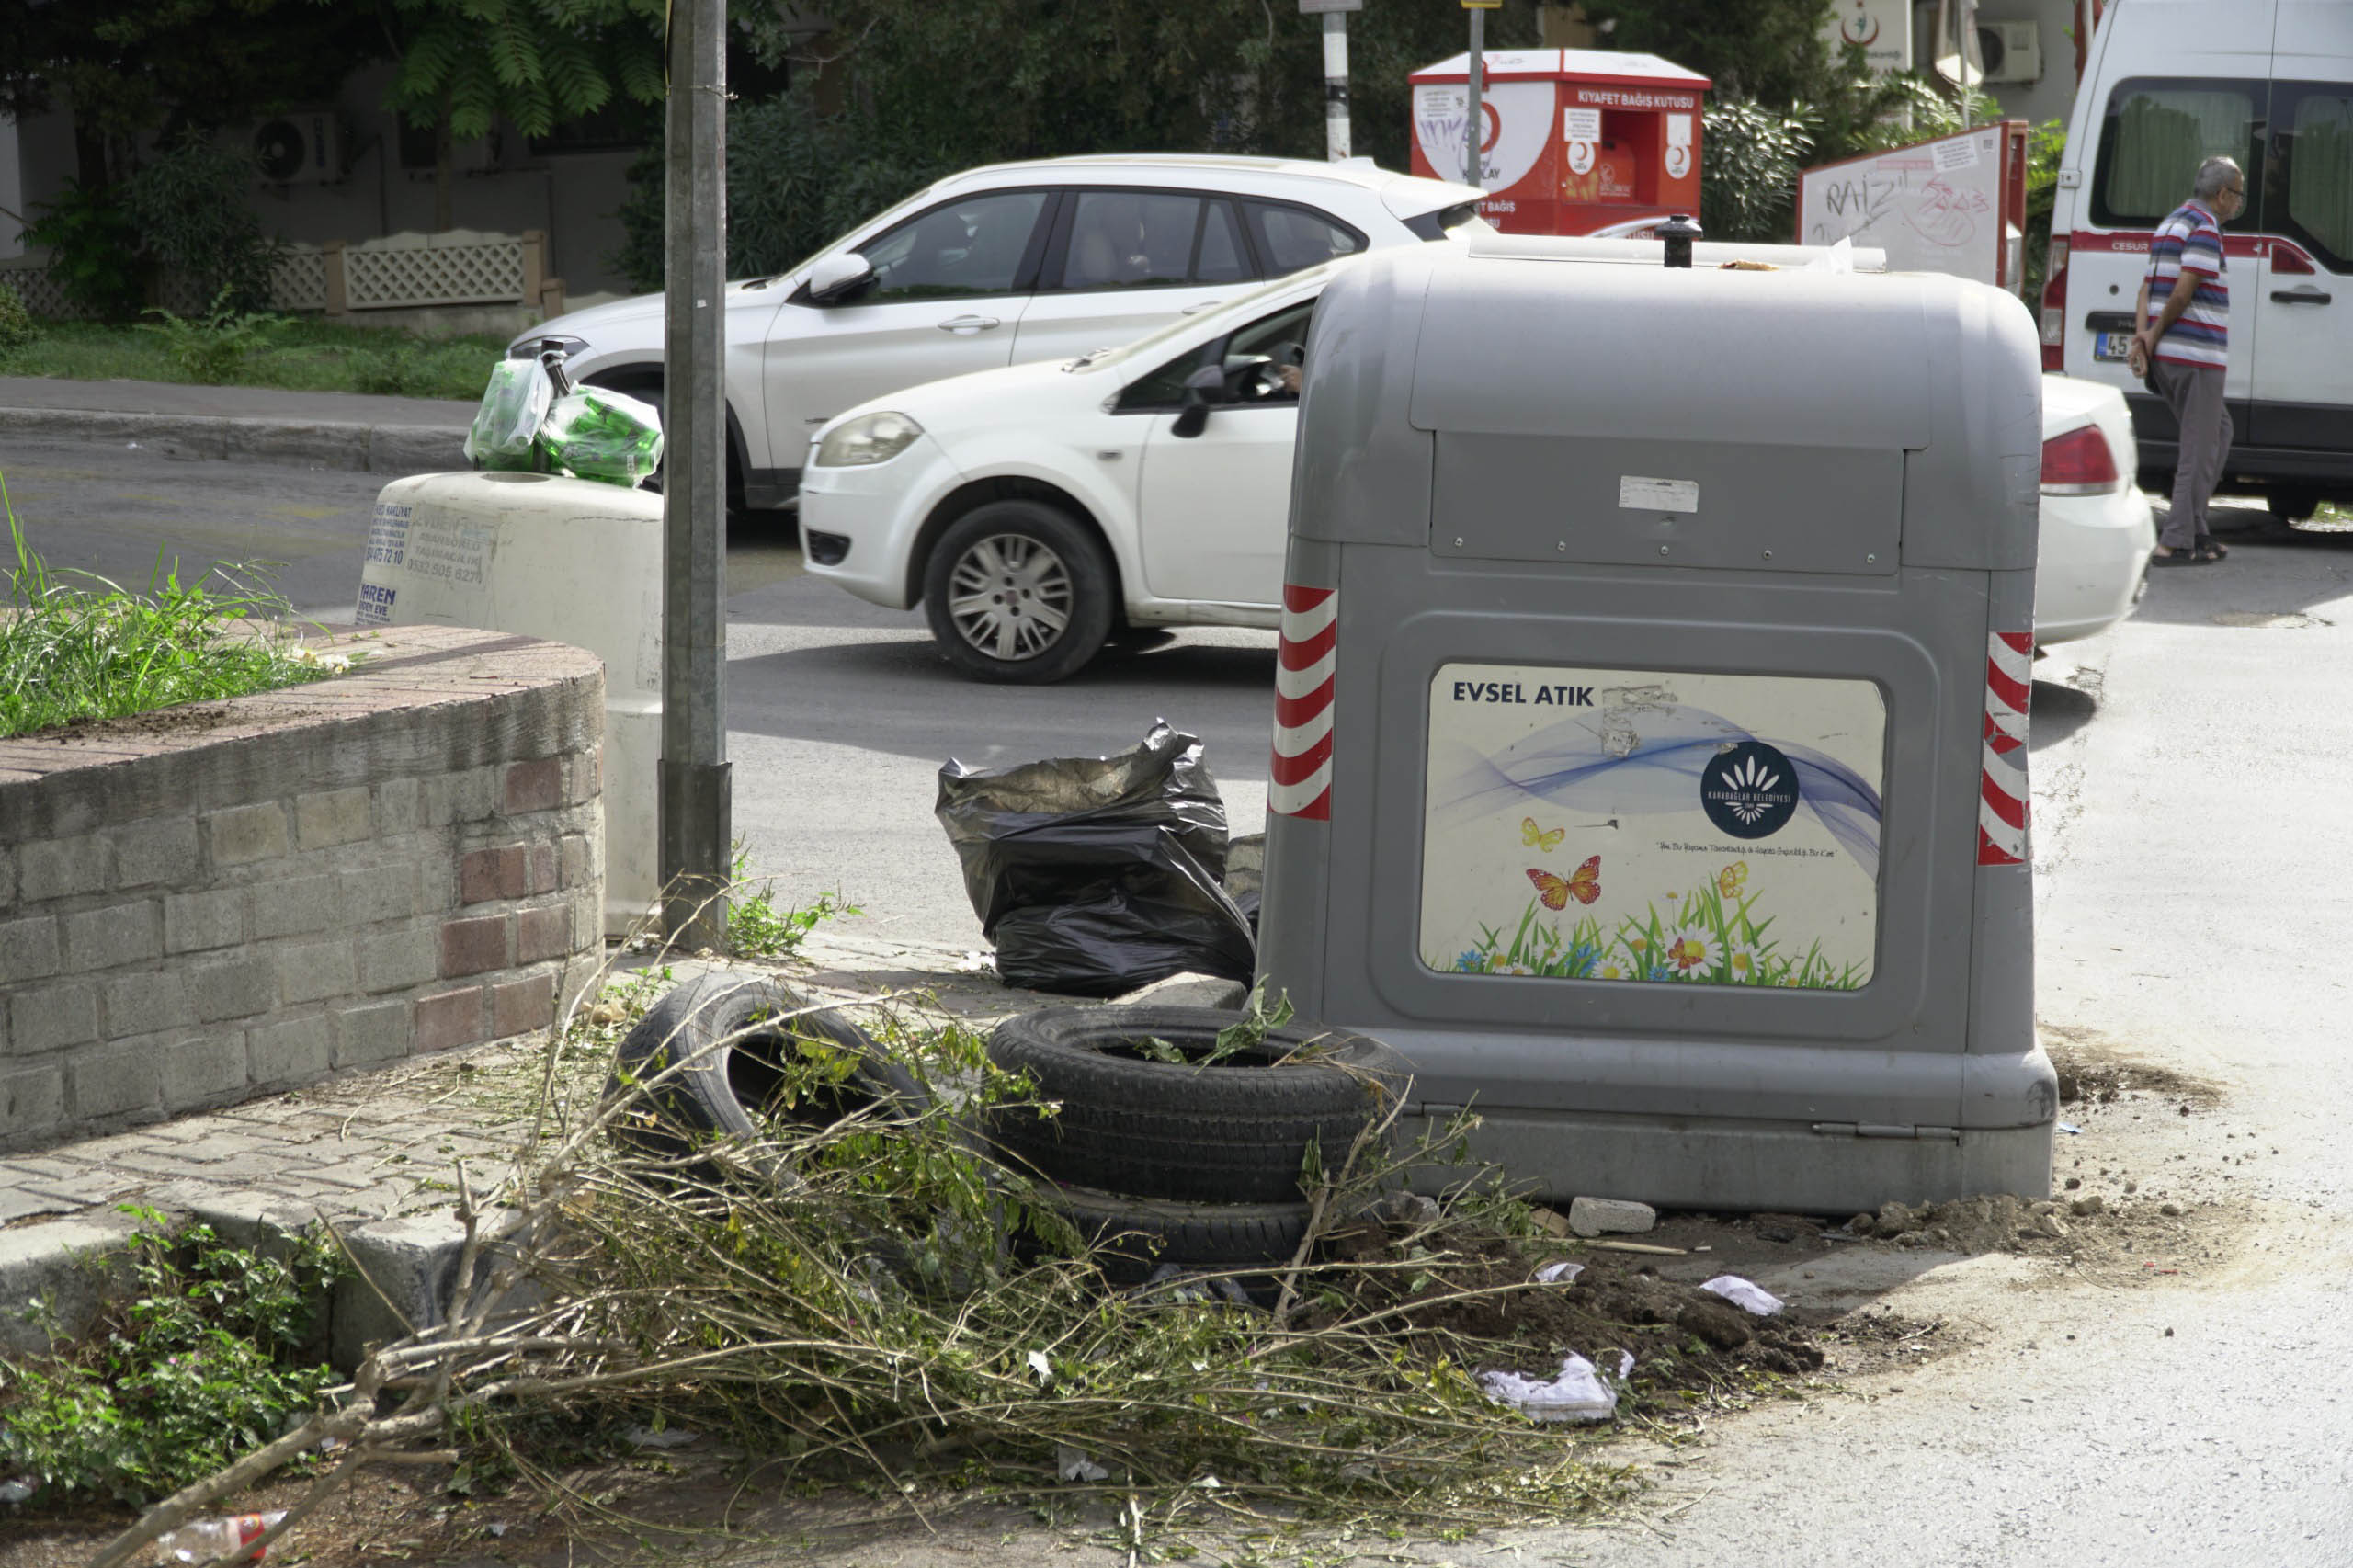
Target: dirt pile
[[1471, 1295]]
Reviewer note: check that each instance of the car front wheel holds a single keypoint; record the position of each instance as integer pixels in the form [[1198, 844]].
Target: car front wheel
[[1020, 592]]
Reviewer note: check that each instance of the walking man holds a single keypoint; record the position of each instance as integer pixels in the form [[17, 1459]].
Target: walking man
[[2182, 350]]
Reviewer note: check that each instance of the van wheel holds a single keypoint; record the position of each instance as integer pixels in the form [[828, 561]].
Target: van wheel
[[2293, 505], [1019, 592]]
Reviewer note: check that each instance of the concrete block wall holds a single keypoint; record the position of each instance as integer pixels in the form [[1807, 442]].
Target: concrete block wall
[[232, 899]]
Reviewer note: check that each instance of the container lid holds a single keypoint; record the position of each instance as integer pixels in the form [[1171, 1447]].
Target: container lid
[[1584, 64], [1518, 346]]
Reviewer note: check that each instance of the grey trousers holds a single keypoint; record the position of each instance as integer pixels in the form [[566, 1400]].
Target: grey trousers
[[2194, 393]]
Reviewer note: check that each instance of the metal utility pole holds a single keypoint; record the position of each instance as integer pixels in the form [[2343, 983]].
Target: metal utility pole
[[1475, 126], [695, 806], [1335, 70]]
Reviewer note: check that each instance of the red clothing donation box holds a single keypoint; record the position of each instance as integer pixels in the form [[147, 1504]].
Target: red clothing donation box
[[1575, 139]]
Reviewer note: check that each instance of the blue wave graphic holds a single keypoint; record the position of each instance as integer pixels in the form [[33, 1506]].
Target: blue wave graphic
[[1570, 765]]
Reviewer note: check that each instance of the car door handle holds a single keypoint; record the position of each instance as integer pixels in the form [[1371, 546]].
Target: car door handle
[[2298, 297], [1204, 305], [968, 324]]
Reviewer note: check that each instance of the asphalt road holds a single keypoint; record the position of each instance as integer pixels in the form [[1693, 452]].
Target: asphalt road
[[2195, 885], [839, 714]]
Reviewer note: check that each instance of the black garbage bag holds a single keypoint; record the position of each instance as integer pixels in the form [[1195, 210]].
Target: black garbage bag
[[1096, 875]]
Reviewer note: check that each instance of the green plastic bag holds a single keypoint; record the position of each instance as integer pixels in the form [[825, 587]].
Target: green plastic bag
[[507, 422], [607, 436]]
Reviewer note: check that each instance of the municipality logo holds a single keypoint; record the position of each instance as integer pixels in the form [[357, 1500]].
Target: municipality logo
[[1749, 790]]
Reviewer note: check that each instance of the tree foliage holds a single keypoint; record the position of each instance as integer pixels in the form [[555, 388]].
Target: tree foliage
[[1775, 51], [469, 63]]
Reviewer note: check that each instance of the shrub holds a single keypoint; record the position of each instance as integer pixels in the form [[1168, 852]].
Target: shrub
[[192, 213], [208, 347], [218, 1348], [17, 328], [1749, 160], [93, 249]]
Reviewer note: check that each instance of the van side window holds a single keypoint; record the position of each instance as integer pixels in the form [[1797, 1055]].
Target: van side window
[[2310, 193], [2159, 130]]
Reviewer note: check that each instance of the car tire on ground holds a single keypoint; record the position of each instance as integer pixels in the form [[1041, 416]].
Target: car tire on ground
[[1134, 1237], [728, 1087], [993, 571], [1236, 1131]]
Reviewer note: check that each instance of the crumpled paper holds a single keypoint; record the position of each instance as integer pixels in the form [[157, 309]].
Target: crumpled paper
[[1579, 1394], [1072, 1465], [1562, 1273], [1741, 1293]]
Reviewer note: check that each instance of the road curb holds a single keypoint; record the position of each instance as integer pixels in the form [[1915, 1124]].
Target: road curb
[[366, 449]]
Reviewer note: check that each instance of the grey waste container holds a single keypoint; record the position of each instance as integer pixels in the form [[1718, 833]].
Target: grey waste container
[[1650, 726]]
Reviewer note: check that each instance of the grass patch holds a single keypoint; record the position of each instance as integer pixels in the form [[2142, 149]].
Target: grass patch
[[298, 354], [217, 1347], [85, 650]]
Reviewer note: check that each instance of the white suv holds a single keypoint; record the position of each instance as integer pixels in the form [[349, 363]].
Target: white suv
[[1003, 266]]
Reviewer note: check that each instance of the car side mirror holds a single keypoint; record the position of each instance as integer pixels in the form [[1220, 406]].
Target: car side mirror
[[836, 279], [1204, 387]]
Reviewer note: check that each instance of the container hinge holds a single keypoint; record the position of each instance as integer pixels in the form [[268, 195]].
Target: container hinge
[[1887, 1129]]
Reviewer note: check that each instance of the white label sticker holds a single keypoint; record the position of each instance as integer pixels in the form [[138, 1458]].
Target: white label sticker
[[1652, 826], [1959, 152], [1678, 131], [1581, 125], [1639, 494], [1580, 155]]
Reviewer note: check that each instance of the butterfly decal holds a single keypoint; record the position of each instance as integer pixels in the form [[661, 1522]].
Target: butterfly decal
[[1547, 842], [1729, 880], [1584, 884]]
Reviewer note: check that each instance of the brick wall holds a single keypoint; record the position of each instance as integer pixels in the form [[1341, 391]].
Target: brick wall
[[230, 899]]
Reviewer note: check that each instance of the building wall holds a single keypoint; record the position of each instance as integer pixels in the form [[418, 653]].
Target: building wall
[[260, 893], [12, 191], [2049, 97], [574, 198]]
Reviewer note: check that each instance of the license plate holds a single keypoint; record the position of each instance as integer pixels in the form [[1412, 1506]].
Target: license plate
[[2115, 346]]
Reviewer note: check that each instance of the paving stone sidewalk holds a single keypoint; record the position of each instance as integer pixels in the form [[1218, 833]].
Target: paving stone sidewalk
[[386, 1144]]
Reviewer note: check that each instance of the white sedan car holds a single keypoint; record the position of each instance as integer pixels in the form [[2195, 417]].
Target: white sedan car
[[1003, 265], [1037, 512]]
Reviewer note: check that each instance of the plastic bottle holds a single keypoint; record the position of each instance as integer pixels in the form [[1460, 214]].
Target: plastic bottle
[[209, 1539]]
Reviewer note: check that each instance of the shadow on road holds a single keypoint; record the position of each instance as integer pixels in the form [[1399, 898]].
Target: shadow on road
[[2058, 712], [899, 695]]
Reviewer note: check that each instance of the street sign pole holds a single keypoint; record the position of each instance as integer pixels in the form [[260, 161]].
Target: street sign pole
[[1475, 126], [1336, 84], [695, 802], [1335, 70]]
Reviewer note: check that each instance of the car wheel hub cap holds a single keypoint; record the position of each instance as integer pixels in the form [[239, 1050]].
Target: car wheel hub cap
[[1010, 597]]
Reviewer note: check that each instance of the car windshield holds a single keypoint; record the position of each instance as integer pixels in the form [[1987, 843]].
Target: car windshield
[[1242, 304]]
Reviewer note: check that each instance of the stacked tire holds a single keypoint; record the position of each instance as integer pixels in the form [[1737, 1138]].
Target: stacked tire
[[715, 1051], [1195, 1164]]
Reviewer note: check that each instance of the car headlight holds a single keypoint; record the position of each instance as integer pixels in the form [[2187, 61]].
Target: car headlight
[[868, 439], [528, 347]]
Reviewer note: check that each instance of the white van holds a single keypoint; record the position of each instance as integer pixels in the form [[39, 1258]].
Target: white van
[[2167, 84]]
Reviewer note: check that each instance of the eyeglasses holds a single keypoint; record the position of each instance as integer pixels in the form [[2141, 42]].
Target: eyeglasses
[[2234, 190]]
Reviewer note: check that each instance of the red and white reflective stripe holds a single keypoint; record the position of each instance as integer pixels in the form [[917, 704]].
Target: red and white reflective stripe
[[2002, 793], [1299, 779]]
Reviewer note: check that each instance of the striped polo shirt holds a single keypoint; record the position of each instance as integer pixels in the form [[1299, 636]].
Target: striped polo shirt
[[2190, 238]]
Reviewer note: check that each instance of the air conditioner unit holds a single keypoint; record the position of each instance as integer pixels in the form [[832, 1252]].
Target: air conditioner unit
[[300, 149], [2012, 51]]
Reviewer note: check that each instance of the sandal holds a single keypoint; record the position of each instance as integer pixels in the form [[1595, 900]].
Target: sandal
[[2212, 546], [2193, 556]]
